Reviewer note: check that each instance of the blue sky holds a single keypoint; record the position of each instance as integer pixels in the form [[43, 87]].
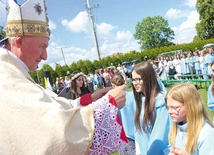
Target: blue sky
[[115, 22]]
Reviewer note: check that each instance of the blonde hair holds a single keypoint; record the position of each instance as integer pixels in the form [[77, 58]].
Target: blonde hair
[[196, 114]]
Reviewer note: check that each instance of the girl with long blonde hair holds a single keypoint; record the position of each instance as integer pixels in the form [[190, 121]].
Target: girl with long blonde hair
[[192, 131]]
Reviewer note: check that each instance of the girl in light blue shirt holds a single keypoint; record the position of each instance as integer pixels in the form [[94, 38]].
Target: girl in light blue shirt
[[192, 132], [151, 119]]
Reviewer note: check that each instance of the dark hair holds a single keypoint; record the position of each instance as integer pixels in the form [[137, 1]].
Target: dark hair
[[150, 90], [84, 89], [117, 79]]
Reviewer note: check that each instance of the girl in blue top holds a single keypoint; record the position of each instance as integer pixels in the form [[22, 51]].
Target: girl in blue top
[[209, 58], [211, 90], [151, 119], [196, 62], [192, 132]]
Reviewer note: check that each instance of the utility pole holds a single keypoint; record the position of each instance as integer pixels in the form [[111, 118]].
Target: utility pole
[[61, 48], [93, 27]]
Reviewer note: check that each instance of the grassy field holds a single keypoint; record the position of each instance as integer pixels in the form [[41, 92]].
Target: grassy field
[[203, 93], [115, 153]]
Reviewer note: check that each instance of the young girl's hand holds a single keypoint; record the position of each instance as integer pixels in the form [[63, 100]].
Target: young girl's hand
[[178, 151]]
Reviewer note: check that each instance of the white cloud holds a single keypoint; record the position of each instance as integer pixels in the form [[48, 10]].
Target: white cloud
[[174, 13], [185, 32], [108, 48], [104, 28], [71, 53], [52, 25], [190, 3], [121, 41], [109, 41], [79, 24], [124, 35]]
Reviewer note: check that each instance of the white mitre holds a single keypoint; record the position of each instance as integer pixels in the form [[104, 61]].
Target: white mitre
[[29, 19]]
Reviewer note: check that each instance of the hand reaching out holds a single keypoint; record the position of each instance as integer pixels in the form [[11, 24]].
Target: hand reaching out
[[119, 95], [100, 93]]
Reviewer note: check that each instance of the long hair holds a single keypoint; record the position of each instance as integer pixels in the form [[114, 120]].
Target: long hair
[[73, 88], [150, 90], [196, 114]]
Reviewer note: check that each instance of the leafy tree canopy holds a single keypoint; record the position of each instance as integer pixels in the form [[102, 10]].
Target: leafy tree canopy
[[2, 33], [205, 28], [153, 32]]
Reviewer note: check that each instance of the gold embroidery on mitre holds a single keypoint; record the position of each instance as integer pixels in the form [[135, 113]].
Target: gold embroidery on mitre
[[14, 28], [28, 28]]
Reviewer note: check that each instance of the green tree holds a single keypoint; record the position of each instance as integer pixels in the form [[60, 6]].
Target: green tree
[[153, 32], [205, 28], [98, 64], [35, 77], [74, 67], [61, 72], [106, 62], [2, 33], [196, 38], [81, 65], [53, 73], [90, 66]]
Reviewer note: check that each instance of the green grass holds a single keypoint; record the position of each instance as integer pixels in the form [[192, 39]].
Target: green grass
[[203, 93], [114, 153]]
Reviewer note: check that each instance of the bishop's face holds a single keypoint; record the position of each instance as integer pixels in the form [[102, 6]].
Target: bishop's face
[[33, 50]]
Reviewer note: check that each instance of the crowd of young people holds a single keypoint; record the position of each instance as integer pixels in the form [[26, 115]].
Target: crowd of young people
[[187, 63]]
